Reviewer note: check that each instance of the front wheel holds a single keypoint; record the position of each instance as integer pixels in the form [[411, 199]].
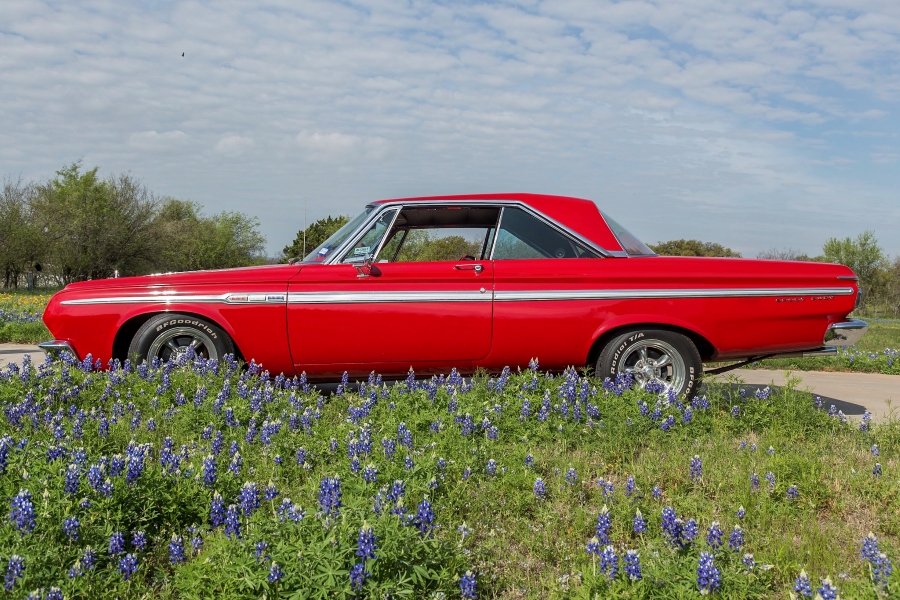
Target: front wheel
[[169, 336], [663, 359]]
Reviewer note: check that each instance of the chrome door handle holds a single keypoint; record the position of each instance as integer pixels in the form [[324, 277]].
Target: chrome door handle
[[470, 267]]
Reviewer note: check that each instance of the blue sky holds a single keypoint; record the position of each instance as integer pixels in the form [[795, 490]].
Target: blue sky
[[756, 124]]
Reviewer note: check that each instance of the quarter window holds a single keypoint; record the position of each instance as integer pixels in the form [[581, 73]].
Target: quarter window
[[523, 236]]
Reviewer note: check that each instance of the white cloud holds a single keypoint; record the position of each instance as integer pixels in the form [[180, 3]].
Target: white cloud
[[151, 140], [234, 145]]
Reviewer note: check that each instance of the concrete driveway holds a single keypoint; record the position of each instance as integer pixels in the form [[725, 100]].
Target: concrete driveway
[[853, 393]]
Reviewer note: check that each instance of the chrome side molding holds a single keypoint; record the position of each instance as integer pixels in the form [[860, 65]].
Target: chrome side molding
[[55, 347], [845, 333]]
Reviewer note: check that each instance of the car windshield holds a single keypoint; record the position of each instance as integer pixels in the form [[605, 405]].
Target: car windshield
[[630, 244], [337, 238]]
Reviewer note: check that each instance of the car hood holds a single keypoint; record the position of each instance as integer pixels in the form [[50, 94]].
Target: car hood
[[261, 274]]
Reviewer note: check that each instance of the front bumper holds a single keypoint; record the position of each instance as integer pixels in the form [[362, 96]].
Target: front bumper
[[55, 347], [845, 333]]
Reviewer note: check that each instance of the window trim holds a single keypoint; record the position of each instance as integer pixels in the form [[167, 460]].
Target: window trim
[[337, 253], [340, 255]]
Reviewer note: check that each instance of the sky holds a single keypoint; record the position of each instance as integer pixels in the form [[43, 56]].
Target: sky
[[755, 124]]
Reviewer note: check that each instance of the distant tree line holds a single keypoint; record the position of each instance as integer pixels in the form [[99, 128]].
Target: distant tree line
[[77, 226]]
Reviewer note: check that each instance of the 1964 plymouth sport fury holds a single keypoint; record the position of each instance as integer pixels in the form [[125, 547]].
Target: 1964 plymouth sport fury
[[476, 281]]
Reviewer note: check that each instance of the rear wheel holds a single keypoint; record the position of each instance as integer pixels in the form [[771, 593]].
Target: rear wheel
[[664, 359], [171, 335]]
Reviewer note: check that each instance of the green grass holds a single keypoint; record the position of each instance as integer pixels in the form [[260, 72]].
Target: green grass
[[519, 546], [18, 309], [877, 352]]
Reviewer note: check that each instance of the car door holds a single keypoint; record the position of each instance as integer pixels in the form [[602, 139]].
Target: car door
[[394, 312]]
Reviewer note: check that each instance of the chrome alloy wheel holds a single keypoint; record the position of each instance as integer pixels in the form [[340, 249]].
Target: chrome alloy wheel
[[654, 361], [175, 342]]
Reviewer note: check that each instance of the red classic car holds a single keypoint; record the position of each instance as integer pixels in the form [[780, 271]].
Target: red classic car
[[475, 281]]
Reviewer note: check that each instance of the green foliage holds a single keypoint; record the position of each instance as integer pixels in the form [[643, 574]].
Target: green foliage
[[316, 234], [693, 248], [421, 246], [492, 524], [20, 239], [864, 256]]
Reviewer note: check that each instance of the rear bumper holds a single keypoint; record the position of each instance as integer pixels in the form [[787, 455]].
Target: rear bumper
[[845, 333], [55, 347]]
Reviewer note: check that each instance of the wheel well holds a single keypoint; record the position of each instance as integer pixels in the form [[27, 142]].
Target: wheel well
[[130, 327], [704, 347]]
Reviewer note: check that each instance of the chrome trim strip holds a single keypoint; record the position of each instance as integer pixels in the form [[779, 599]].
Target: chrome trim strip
[[238, 298], [397, 296], [522, 295], [845, 333]]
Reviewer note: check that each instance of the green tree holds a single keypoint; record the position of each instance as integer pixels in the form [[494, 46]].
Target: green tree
[[191, 241], [316, 233], [91, 228], [693, 248], [865, 257], [20, 240]]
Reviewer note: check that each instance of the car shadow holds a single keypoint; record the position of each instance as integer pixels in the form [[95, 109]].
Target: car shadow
[[732, 391]]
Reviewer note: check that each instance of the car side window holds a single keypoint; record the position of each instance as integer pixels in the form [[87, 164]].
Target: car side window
[[371, 239], [434, 234], [523, 236]]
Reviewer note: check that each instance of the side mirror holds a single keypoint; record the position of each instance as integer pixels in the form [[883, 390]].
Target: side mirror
[[365, 269]]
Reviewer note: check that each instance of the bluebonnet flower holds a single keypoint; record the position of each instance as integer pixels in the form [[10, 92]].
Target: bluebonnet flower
[[696, 471], [571, 476], [540, 489], [73, 478], [593, 546], [770, 477], [15, 568], [70, 527], [355, 465], [748, 561], [89, 558], [752, 447], [128, 566], [424, 517], [869, 548], [196, 544], [629, 486], [688, 415], [139, 540], [690, 531], [754, 482], [232, 522], [209, 471], [638, 522], [116, 543], [764, 393], [880, 564], [876, 470], [792, 493], [334, 445], [404, 436], [491, 468], [330, 495], [668, 423], [300, 456], [290, 511], [736, 539], [408, 463], [609, 562], [260, 549], [176, 550], [271, 492], [671, 525], [606, 487], [441, 464], [604, 524], [657, 492], [275, 573], [365, 543], [529, 461], [467, 585], [633, 565], [54, 593], [741, 513], [249, 498], [866, 420], [714, 535], [802, 585], [875, 451], [709, 578], [735, 411], [22, 513], [217, 510], [493, 432], [358, 576], [467, 472], [828, 591]]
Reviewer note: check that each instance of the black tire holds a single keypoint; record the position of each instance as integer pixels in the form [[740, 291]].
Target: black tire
[[169, 333], [624, 353]]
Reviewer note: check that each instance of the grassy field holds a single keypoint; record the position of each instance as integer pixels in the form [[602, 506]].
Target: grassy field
[[20, 316], [877, 352], [205, 480]]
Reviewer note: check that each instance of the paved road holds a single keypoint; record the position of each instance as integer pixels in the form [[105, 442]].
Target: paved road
[[853, 393]]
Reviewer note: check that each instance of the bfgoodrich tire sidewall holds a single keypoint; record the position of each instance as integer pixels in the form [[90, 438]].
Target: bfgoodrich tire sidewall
[[617, 350]]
